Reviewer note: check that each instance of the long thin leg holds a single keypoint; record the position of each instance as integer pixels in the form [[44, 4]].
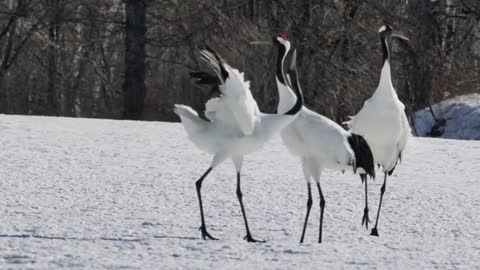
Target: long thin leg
[[248, 237], [309, 206], [365, 219], [203, 228], [374, 231], [322, 207]]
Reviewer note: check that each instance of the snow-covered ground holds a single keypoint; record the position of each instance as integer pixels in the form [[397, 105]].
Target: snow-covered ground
[[99, 194], [462, 116]]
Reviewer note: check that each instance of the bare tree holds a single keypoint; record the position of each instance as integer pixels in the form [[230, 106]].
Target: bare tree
[[134, 84], [95, 58]]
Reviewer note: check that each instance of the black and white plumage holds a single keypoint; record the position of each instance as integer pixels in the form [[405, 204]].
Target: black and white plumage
[[318, 141], [382, 120], [236, 127]]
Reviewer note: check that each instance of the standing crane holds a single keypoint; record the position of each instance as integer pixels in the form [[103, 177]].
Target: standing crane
[[318, 141], [382, 120]]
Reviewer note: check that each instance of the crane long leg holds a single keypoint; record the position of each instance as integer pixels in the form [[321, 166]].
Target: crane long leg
[[203, 228], [374, 231], [309, 206], [248, 237], [322, 207], [365, 219]]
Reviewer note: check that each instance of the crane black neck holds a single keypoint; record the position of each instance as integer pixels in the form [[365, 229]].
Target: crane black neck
[[293, 73], [385, 49], [282, 51]]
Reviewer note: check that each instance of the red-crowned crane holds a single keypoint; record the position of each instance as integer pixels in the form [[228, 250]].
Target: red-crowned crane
[[318, 141], [382, 120], [235, 128]]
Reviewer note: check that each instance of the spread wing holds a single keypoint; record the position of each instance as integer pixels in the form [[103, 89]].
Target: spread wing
[[236, 106]]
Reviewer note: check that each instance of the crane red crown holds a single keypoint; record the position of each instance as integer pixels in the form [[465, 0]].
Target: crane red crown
[[284, 36]]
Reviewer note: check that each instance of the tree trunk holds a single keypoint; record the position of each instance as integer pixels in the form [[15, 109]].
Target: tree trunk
[[425, 54], [52, 77], [253, 8], [134, 84], [52, 52]]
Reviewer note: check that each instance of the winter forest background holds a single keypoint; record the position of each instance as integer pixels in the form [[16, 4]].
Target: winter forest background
[[130, 59]]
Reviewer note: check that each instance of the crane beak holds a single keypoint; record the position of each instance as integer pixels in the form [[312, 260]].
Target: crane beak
[[399, 35], [260, 42]]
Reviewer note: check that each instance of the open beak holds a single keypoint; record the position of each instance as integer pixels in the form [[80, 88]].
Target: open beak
[[399, 35]]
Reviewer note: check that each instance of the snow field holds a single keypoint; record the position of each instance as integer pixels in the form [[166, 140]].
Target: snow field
[[103, 194]]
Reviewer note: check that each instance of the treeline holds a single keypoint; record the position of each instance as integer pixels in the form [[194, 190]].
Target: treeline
[[130, 59]]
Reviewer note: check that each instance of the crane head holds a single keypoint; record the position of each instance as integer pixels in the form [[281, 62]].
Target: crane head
[[387, 30], [282, 39]]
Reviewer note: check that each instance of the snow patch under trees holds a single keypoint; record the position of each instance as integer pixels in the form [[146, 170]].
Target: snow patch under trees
[[458, 118]]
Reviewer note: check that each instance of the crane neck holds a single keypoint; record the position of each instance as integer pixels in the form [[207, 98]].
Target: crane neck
[[386, 73], [295, 84], [385, 48], [282, 54], [385, 86], [286, 97]]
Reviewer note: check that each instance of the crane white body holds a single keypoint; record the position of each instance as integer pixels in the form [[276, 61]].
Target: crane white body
[[383, 123], [227, 141], [315, 137], [223, 137]]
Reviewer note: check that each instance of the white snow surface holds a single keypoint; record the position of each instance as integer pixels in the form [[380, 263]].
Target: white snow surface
[[462, 115], [104, 194]]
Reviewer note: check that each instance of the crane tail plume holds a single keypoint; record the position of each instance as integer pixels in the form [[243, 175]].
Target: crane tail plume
[[363, 154], [190, 119]]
